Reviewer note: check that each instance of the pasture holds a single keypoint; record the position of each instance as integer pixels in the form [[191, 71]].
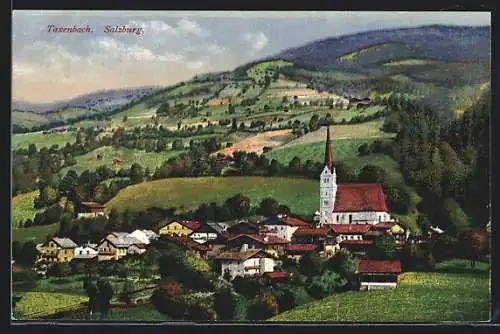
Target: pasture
[[23, 140], [186, 194], [258, 71], [258, 142], [34, 233], [90, 160], [37, 304], [419, 297]]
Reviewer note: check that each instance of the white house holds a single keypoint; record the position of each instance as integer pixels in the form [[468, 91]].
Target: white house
[[253, 262], [85, 252], [352, 203], [144, 236]]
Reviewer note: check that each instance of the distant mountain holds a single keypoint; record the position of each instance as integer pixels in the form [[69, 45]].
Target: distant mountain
[[444, 43], [102, 101]]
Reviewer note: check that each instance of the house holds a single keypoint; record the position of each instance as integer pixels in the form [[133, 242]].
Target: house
[[276, 276], [378, 274], [243, 227], [136, 249], [358, 248], [313, 235], [115, 246], [192, 247], [178, 227], [350, 232], [145, 236], [254, 262], [352, 203], [283, 226], [90, 210], [295, 251], [205, 233], [86, 252], [271, 244], [57, 250]]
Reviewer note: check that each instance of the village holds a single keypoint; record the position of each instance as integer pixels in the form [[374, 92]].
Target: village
[[352, 217]]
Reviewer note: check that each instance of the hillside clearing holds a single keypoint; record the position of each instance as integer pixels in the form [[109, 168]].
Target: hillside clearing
[[420, 297], [258, 142], [23, 207], [40, 139], [36, 304], [90, 161], [186, 194], [34, 233]]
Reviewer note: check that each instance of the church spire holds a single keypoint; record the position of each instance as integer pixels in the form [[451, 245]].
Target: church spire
[[328, 150]]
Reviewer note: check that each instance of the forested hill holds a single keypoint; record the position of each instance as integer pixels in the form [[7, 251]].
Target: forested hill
[[437, 42]]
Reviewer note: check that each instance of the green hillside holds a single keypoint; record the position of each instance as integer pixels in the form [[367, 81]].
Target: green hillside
[[301, 195], [420, 297], [23, 207], [23, 140], [28, 119]]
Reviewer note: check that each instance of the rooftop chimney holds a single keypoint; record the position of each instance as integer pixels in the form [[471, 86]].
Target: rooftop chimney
[[244, 248]]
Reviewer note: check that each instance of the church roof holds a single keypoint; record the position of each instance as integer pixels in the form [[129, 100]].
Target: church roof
[[351, 228], [356, 197]]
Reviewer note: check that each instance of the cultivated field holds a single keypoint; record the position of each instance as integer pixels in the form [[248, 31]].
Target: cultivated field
[[23, 207], [420, 297], [258, 142], [186, 194], [37, 304]]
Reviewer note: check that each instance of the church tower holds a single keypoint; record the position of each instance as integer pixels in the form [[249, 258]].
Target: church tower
[[328, 185]]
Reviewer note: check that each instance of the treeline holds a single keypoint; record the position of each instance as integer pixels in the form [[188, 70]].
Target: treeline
[[446, 161]]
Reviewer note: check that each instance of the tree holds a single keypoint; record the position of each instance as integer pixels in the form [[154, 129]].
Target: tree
[[310, 264], [326, 283], [59, 270], [294, 164], [268, 207], [178, 145], [28, 254], [444, 247], [167, 299], [234, 125], [238, 205], [126, 293], [198, 311], [225, 304], [125, 118], [372, 173], [136, 173], [452, 215], [473, 244], [105, 294], [398, 198], [286, 300], [230, 109], [263, 307], [384, 247], [92, 292]]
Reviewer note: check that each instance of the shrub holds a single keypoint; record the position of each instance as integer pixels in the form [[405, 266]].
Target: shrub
[[263, 307], [225, 304], [383, 248], [326, 283], [286, 300], [59, 270]]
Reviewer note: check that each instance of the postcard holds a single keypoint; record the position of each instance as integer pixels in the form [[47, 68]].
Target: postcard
[[251, 166]]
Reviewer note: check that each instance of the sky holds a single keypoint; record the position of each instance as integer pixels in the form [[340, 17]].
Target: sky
[[174, 45]]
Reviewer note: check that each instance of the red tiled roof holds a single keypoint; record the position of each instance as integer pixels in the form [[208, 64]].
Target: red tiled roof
[[312, 231], [93, 205], [277, 274], [294, 221], [190, 224], [355, 197], [302, 247], [384, 225], [187, 242], [356, 242], [351, 228], [266, 240], [379, 266]]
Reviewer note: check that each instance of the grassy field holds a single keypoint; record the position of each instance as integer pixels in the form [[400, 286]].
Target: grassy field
[[28, 119], [315, 151], [35, 233], [34, 304], [420, 297], [23, 207], [258, 71], [42, 140], [89, 161], [301, 195]]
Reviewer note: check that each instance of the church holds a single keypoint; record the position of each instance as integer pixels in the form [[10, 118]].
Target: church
[[353, 203]]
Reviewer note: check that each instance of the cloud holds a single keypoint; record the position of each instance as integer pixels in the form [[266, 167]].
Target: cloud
[[257, 40], [110, 48], [216, 49], [192, 27], [195, 65], [22, 69]]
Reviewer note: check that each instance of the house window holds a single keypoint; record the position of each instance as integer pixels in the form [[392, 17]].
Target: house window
[[338, 218], [350, 219], [325, 202]]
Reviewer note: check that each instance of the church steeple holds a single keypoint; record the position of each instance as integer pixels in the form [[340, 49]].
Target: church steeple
[[328, 150]]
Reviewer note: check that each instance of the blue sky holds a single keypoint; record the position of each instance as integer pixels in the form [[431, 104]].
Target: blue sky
[[175, 45]]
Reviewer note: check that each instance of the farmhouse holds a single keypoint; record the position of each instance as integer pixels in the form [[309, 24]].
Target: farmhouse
[[272, 245], [243, 227], [144, 236], [283, 226], [378, 274], [115, 246], [356, 203], [178, 227], [313, 235], [57, 250], [191, 246], [254, 262], [85, 252], [295, 251], [90, 210], [205, 233]]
